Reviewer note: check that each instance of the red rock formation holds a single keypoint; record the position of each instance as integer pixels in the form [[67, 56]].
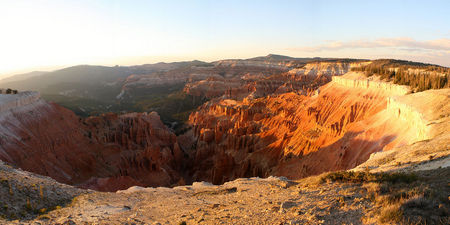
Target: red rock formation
[[206, 81], [50, 140], [106, 153], [266, 133], [255, 78], [255, 87], [140, 149], [293, 135]]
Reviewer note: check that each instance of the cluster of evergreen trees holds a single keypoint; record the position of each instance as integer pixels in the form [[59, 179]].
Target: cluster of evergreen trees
[[9, 91], [433, 77]]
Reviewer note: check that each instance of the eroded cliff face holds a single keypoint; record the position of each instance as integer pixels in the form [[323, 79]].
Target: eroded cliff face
[[13, 101], [238, 79], [46, 139], [202, 81], [291, 77], [107, 153], [284, 65], [427, 112], [410, 115], [326, 68], [296, 136], [138, 148], [388, 88], [285, 124]]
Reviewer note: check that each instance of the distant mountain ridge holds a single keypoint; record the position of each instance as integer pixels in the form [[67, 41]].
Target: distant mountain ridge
[[23, 76], [173, 89], [39, 80]]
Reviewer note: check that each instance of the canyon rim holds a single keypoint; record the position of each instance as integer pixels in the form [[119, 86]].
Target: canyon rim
[[175, 112]]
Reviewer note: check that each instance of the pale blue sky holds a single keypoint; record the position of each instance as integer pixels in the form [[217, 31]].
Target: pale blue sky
[[46, 34]]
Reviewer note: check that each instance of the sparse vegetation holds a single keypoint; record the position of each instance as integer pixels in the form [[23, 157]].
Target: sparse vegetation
[[403, 198], [42, 211], [41, 191], [28, 205], [391, 213], [170, 102], [9, 91], [359, 177], [26, 197]]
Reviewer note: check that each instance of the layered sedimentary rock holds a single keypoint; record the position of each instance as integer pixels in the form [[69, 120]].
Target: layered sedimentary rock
[[216, 87], [410, 115], [265, 64], [205, 81], [46, 139], [139, 149], [393, 89], [13, 101], [265, 122], [108, 152], [295, 135], [291, 77], [427, 112], [238, 78], [326, 68], [254, 88]]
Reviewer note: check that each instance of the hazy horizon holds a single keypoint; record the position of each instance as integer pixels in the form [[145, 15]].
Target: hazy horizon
[[55, 68], [48, 35]]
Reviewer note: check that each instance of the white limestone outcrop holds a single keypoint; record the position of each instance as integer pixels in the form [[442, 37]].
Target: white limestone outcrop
[[283, 65], [325, 68], [410, 108], [13, 101], [394, 89], [411, 115]]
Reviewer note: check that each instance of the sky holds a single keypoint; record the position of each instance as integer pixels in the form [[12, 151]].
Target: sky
[[51, 34]]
